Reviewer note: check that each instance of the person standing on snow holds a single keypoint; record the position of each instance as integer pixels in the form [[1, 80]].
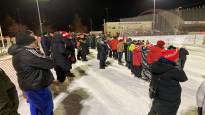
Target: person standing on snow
[[34, 75], [183, 52], [165, 88], [120, 50], [70, 51], [155, 52], [113, 44], [137, 60], [200, 97], [9, 101], [84, 49], [46, 44], [59, 56], [93, 42], [131, 48], [102, 48]]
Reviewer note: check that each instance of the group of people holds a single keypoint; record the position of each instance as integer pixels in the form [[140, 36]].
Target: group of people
[[33, 69], [163, 67]]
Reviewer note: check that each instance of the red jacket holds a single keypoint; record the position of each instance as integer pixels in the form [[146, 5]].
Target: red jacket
[[114, 44], [154, 54], [137, 56]]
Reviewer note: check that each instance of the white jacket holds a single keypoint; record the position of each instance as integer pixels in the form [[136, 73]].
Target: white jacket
[[201, 97]]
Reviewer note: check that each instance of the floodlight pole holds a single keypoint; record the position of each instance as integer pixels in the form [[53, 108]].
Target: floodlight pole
[[39, 17], [154, 16]]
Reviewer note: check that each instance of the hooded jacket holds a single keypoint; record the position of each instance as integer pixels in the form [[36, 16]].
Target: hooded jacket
[[169, 89], [32, 69]]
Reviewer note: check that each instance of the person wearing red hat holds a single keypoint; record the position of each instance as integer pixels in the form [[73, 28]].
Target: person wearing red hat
[[155, 52], [150, 55], [165, 89]]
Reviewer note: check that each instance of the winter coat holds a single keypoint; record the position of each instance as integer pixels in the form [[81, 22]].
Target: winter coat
[[8, 96], [46, 45], [200, 96], [70, 47], [129, 51], [114, 44], [120, 47], [137, 56], [131, 47], [59, 54], [166, 78], [83, 47], [154, 54], [183, 53], [102, 48], [93, 42], [32, 69]]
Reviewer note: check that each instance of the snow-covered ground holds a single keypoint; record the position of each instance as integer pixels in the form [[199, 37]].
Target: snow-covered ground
[[114, 91]]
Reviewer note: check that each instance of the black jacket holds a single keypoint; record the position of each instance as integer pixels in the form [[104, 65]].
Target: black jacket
[[84, 47], [168, 87], [32, 69], [59, 54], [8, 96], [102, 51], [183, 53]]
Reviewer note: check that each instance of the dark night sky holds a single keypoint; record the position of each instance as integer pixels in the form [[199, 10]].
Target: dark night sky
[[61, 12]]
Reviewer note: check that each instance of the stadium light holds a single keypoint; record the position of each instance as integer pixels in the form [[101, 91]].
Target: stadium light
[[39, 17], [154, 16]]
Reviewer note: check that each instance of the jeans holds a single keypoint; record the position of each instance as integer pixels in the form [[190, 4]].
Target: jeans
[[120, 57]]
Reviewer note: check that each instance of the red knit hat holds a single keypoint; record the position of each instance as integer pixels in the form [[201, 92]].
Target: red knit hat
[[171, 55], [160, 43]]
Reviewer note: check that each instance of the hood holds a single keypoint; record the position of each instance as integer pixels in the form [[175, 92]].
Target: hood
[[15, 49], [159, 67]]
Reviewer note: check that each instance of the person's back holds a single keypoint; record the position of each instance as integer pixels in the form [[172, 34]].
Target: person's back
[[8, 96], [183, 56], [183, 53], [155, 52], [120, 46], [165, 84], [33, 72], [114, 44]]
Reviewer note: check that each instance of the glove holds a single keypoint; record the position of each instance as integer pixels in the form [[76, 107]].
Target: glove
[[199, 110]]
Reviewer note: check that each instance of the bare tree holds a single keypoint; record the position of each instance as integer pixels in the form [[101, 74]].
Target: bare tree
[[77, 25]]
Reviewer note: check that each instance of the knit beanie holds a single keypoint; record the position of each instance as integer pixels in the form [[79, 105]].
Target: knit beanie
[[23, 39], [171, 55]]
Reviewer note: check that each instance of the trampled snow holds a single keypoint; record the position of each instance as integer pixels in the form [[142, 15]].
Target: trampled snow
[[114, 91]]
